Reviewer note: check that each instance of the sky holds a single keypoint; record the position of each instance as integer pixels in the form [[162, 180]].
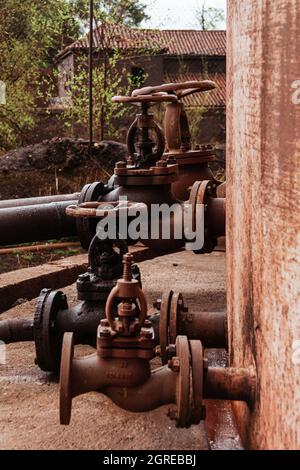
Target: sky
[[177, 14]]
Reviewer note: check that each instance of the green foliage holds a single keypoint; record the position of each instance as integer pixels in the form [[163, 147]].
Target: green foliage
[[109, 79], [31, 34], [209, 17], [128, 12]]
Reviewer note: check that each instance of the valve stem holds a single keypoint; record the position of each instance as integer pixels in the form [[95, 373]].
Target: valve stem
[[127, 262]]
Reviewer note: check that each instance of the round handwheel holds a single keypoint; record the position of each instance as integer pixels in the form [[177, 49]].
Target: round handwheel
[[47, 342], [181, 89], [145, 98], [101, 209], [184, 391], [65, 395], [86, 228]]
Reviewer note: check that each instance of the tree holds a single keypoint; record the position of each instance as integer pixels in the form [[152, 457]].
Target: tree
[[128, 12], [209, 17], [31, 34]]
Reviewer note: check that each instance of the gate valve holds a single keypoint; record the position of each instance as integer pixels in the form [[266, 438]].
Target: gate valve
[[141, 147], [192, 163], [177, 130]]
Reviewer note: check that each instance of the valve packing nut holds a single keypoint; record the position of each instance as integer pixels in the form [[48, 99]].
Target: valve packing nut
[[104, 333], [121, 165]]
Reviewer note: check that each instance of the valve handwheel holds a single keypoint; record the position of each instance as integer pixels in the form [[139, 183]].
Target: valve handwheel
[[145, 98], [141, 148], [101, 209], [177, 131], [181, 89]]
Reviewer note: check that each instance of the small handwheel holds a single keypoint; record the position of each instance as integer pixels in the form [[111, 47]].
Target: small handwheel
[[145, 98], [47, 341], [101, 209], [65, 395], [86, 228], [181, 89]]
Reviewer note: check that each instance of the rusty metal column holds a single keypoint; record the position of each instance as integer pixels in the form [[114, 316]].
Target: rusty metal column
[[263, 193]]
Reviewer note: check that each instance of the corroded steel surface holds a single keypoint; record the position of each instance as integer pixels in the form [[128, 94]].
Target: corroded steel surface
[[263, 193]]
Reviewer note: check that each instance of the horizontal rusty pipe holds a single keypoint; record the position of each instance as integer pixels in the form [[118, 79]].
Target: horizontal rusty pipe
[[36, 248], [13, 331], [217, 216], [230, 383], [33, 201], [36, 223], [208, 327]]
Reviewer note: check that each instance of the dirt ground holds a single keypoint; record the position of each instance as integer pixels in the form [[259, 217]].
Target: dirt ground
[[29, 397]]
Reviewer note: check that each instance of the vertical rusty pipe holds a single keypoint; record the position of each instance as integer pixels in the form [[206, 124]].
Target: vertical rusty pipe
[[263, 194]]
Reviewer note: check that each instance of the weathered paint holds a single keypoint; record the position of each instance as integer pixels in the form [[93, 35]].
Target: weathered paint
[[263, 194]]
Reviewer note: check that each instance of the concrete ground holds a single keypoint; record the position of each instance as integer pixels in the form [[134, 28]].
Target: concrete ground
[[29, 397]]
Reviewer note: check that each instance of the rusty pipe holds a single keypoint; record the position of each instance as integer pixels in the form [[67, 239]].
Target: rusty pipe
[[230, 384], [208, 327], [33, 201], [217, 216], [36, 223], [13, 331]]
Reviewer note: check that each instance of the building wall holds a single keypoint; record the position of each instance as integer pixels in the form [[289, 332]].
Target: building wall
[[263, 194]]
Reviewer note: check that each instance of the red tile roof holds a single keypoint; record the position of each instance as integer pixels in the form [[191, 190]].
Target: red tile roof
[[214, 98], [172, 42], [194, 42]]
